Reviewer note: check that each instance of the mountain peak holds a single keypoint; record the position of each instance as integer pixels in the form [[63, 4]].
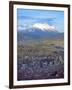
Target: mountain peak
[[44, 27]]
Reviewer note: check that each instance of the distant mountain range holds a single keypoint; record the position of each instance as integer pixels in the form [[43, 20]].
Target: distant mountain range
[[35, 33]]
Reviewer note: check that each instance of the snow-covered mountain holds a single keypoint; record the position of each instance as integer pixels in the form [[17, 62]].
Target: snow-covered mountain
[[38, 26], [38, 31], [44, 27]]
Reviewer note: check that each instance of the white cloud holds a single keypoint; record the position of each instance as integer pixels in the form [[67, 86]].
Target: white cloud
[[23, 27], [20, 28], [44, 26]]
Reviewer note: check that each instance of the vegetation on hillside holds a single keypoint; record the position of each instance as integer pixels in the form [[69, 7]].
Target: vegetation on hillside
[[41, 59]]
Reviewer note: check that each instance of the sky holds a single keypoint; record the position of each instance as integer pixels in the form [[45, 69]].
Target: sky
[[42, 19]]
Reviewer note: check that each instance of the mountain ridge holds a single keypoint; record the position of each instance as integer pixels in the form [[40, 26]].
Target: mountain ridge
[[37, 34]]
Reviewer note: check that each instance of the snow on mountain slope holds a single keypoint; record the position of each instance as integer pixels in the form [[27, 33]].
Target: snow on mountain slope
[[45, 27]]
